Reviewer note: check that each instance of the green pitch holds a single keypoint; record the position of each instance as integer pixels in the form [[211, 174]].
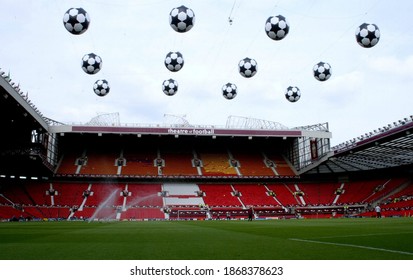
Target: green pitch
[[325, 239]]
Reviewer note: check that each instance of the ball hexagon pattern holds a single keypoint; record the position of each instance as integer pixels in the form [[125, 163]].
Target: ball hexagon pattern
[[181, 19], [170, 87], [322, 71], [76, 20], [292, 94], [174, 61], [91, 63], [101, 87], [367, 35], [229, 91], [247, 67], [277, 27]]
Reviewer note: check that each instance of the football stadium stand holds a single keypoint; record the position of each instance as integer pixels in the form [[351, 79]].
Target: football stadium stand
[[100, 170]]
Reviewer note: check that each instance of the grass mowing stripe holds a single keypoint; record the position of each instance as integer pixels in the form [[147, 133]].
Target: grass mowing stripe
[[353, 246]]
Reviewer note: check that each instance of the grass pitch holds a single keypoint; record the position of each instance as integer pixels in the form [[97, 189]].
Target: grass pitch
[[316, 239]]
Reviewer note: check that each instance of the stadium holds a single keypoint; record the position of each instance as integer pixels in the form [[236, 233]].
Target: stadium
[[217, 185], [105, 171]]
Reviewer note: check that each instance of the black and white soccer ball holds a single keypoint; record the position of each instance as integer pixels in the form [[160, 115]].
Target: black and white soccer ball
[[181, 19], [91, 63], [277, 27], [174, 61], [170, 87], [322, 71], [367, 35], [229, 91], [293, 94], [76, 20], [247, 67], [101, 87]]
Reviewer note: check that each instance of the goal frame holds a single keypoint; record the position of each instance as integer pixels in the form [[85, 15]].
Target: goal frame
[[205, 212]]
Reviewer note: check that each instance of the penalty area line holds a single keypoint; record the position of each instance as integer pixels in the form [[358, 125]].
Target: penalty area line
[[353, 246]]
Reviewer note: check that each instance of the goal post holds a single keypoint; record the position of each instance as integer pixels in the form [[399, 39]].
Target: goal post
[[192, 214]]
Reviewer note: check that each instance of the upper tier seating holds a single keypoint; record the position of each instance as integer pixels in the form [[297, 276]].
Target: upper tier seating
[[151, 157], [139, 161], [281, 165], [178, 162], [216, 163], [100, 161], [251, 163], [68, 162]]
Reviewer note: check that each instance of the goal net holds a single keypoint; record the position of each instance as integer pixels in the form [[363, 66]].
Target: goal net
[[192, 214]]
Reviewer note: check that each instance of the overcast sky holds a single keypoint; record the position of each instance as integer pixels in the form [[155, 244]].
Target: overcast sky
[[369, 88]]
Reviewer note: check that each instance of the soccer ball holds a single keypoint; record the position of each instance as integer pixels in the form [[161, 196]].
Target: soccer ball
[[247, 67], [277, 27], [367, 35], [170, 87], [322, 71], [181, 19], [174, 61], [229, 91], [101, 87], [91, 63], [76, 20], [293, 94]]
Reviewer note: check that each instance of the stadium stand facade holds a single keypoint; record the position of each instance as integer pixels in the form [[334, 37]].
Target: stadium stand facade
[[51, 170]]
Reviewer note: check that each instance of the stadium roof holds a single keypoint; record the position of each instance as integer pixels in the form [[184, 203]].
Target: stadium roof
[[16, 105], [235, 127], [387, 147]]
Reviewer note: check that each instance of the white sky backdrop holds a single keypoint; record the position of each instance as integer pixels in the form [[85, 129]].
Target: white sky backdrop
[[369, 88]]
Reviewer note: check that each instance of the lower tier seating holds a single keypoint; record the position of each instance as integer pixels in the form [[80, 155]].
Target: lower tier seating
[[138, 201]]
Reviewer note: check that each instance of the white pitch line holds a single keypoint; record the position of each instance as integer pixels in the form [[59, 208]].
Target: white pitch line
[[363, 235], [351, 245]]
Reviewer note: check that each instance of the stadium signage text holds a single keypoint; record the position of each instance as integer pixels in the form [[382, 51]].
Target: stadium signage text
[[191, 131], [182, 131]]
